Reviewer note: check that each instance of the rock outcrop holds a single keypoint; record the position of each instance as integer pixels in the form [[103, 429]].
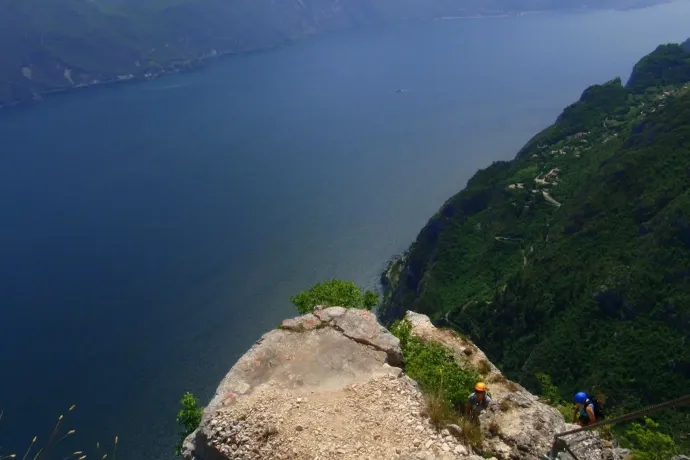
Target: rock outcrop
[[326, 386], [516, 424]]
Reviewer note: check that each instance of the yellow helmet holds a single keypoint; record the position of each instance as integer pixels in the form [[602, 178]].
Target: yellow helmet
[[480, 386]]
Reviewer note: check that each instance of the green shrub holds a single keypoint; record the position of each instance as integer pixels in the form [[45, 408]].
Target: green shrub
[[433, 366], [334, 293], [549, 391], [446, 385], [648, 443], [188, 418], [551, 394]]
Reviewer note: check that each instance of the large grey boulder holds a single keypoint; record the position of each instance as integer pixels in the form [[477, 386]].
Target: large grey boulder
[[302, 390], [362, 326]]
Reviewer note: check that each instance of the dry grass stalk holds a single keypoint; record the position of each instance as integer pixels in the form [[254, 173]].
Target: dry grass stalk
[[439, 411], [33, 441], [471, 432], [69, 433], [42, 453]]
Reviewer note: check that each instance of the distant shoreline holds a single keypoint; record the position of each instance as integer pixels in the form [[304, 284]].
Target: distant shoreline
[[181, 67], [203, 61]]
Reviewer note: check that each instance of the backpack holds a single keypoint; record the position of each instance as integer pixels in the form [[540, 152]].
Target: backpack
[[598, 411]]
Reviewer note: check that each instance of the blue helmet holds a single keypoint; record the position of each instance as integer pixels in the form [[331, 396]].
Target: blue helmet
[[580, 397]]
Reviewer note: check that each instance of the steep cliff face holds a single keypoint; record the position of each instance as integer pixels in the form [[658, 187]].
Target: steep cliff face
[[327, 386]]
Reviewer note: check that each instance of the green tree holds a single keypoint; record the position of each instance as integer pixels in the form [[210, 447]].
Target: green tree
[[188, 418], [549, 391], [552, 395], [648, 443], [334, 293]]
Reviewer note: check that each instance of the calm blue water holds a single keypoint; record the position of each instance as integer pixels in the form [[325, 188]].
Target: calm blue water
[[151, 232]]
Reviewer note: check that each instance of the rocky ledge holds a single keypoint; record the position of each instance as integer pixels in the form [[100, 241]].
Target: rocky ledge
[[330, 385]]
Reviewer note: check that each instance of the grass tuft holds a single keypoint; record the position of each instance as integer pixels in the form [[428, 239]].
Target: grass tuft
[[498, 378], [439, 410], [268, 431], [512, 387], [471, 433], [506, 405], [484, 367]]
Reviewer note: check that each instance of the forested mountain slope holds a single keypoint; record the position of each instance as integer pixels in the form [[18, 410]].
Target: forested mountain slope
[[58, 44], [667, 65], [573, 259]]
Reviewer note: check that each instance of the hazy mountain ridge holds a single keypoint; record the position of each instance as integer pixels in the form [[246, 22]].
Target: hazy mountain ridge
[[48, 46]]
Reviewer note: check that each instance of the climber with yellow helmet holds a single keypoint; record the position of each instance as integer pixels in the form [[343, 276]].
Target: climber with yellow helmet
[[478, 401]]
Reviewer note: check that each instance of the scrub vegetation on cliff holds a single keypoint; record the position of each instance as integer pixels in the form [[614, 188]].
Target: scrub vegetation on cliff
[[445, 383], [188, 418], [334, 293]]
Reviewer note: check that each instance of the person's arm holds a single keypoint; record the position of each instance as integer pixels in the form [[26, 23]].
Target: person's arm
[[467, 409], [592, 417], [575, 415]]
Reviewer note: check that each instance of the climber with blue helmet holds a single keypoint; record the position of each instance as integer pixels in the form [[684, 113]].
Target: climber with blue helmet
[[585, 413]]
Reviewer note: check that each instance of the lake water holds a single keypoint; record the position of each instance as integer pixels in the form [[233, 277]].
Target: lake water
[[152, 232]]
